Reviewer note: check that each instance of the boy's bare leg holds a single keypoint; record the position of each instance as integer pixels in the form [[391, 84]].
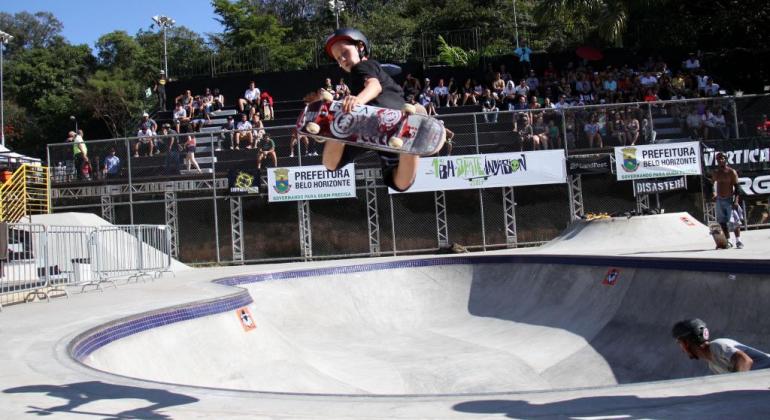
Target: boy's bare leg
[[405, 172], [332, 154]]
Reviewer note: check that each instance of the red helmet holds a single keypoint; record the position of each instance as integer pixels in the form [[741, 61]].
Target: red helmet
[[349, 34]]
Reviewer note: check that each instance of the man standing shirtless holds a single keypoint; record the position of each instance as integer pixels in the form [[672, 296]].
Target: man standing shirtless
[[726, 192]]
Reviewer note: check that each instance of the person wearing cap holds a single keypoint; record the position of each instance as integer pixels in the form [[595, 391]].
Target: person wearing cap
[[722, 355], [726, 195], [148, 123], [160, 90], [369, 84]]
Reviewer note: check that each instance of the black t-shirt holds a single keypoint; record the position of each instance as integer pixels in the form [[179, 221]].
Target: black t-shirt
[[392, 96]]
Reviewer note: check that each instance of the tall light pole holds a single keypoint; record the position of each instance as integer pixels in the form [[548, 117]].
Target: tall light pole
[[4, 38], [164, 22], [515, 23]]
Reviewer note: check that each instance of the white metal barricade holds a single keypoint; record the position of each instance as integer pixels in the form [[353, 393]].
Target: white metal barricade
[[136, 251], [24, 271], [37, 260]]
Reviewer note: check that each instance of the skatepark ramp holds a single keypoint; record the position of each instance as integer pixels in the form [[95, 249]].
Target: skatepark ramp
[[675, 232], [454, 325]]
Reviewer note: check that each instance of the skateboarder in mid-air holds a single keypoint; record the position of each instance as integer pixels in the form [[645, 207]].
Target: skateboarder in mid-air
[[726, 195], [369, 85], [722, 355]]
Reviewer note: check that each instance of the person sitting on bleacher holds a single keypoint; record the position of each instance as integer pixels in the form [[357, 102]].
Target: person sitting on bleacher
[[266, 106], [186, 99], [180, 116], [250, 101], [244, 133], [219, 101], [441, 93], [199, 114], [145, 141], [258, 128], [266, 147], [228, 132], [111, 165], [149, 123]]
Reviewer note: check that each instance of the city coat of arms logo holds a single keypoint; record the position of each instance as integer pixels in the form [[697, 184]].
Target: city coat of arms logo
[[281, 181], [630, 164]]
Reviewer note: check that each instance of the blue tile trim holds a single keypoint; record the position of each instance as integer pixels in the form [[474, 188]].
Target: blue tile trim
[[652, 263], [92, 340]]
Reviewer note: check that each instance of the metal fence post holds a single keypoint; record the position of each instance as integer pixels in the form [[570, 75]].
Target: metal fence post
[[393, 225], [483, 221], [130, 183], [652, 125], [737, 130], [476, 131], [214, 195], [442, 230]]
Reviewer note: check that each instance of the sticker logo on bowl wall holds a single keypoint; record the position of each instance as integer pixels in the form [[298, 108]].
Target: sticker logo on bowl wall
[[247, 321], [611, 277]]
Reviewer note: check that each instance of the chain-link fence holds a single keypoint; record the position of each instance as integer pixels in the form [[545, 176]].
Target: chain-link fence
[[211, 225]]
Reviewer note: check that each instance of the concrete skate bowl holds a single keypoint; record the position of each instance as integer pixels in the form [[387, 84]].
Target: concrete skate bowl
[[441, 326]]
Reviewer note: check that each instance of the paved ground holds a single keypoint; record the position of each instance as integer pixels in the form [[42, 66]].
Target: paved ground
[[495, 339]]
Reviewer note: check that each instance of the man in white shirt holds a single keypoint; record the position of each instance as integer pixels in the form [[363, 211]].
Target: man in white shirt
[[145, 135], [250, 98], [722, 355], [441, 92], [244, 132]]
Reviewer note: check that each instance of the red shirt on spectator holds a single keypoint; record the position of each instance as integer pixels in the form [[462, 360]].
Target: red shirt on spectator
[[265, 95]]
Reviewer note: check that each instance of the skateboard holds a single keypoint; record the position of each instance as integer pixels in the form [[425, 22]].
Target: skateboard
[[371, 127], [719, 236]]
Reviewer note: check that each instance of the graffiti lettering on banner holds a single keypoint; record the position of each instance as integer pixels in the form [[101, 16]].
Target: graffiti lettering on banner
[[744, 154], [489, 171], [754, 184], [657, 161]]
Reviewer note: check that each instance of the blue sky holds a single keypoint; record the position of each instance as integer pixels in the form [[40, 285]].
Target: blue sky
[[86, 20]]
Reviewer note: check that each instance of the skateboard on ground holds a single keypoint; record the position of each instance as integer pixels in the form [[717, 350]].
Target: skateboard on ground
[[719, 237], [371, 127]]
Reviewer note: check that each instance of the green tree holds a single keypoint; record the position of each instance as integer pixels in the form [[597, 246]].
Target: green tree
[[38, 30], [42, 82]]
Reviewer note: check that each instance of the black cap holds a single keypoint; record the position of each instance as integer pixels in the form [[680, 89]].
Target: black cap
[[693, 330]]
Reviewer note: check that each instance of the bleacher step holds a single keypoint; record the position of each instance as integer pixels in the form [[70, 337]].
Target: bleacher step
[[195, 172]]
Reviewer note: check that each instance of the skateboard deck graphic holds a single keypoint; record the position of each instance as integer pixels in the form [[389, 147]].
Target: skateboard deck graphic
[[372, 127], [719, 236]]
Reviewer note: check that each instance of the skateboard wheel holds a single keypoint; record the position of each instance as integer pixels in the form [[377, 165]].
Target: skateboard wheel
[[395, 142], [326, 96], [312, 128], [408, 109]]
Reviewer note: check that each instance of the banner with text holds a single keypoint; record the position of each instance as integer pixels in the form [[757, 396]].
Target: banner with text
[[659, 185], [310, 183], [443, 173], [599, 163], [657, 160], [743, 154]]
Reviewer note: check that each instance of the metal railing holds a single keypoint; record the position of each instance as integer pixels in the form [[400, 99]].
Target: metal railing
[[208, 224], [25, 193], [42, 261]]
